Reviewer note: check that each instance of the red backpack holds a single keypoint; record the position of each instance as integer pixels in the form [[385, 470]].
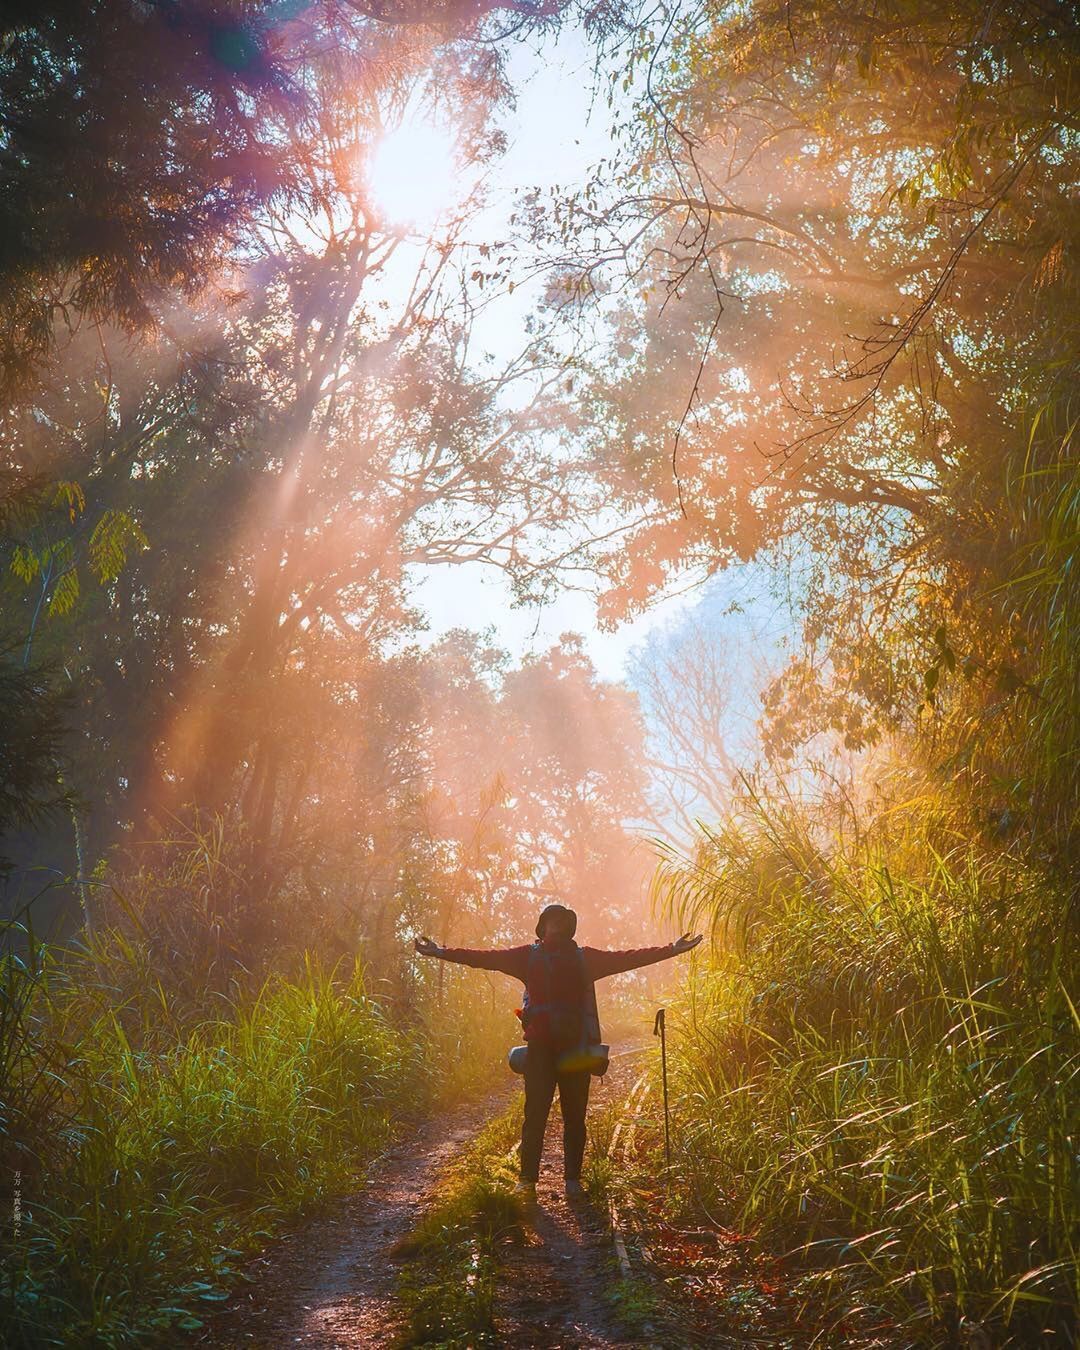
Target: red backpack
[[572, 1026]]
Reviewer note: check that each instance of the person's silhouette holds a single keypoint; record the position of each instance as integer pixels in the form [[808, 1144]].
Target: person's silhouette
[[558, 976]]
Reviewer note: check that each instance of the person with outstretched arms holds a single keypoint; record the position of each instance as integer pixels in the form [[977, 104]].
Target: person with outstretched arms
[[558, 1014]]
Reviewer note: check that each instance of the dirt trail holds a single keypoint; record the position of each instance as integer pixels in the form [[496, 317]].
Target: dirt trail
[[332, 1283], [554, 1292]]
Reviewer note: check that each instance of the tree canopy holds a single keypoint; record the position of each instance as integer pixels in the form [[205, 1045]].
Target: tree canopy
[[836, 268]]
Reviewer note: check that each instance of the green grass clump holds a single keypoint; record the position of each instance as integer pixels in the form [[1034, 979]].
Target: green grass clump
[[150, 1154], [884, 1078], [599, 1166], [447, 1287]]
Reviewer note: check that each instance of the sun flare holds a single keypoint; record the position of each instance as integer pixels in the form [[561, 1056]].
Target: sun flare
[[412, 173]]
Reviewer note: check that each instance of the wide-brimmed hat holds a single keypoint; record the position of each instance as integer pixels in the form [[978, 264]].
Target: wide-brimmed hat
[[546, 913]]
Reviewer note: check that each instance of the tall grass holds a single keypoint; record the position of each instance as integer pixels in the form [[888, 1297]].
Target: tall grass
[[1042, 515], [152, 1139], [881, 1073]]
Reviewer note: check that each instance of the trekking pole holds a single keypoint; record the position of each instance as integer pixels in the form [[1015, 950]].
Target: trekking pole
[[660, 1030]]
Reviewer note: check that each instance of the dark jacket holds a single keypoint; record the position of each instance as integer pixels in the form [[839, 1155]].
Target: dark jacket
[[565, 970]]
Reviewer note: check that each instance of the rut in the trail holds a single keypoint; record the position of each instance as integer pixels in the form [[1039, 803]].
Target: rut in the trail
[[332, 1283]]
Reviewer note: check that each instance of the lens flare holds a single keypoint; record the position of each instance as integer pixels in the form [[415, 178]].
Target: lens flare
[[412, 173]]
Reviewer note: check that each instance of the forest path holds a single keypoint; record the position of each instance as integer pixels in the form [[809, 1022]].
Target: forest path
[[554, 1291], [332, 1283]]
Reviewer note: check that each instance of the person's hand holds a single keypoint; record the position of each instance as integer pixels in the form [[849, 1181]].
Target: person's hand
[[426, 947], [686, 943]]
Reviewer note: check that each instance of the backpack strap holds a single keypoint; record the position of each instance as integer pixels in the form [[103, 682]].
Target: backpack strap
[[590, 1013], [530, 1007]]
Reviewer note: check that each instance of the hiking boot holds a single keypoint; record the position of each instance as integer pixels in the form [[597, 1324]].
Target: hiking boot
[[525, 1189], [573, 1188]]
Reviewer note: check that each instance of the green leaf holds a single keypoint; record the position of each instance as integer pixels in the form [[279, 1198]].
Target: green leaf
[[25, 563], [65, 593], [70, 494], [114, 535]]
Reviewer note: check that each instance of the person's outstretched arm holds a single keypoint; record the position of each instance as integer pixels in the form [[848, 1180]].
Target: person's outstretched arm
[[512, 961], [613, 963]]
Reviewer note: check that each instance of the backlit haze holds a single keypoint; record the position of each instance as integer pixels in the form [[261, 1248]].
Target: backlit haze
[[555, 133], [557, 129]]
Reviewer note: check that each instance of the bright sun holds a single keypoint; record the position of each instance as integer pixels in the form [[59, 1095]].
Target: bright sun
[[411, 174]]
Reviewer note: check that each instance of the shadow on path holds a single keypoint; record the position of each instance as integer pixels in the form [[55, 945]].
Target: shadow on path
[[555, 1291]]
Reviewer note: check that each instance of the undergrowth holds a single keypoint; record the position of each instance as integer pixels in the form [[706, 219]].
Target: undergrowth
[[598, 1167], [880, 1077], [152, 1135]]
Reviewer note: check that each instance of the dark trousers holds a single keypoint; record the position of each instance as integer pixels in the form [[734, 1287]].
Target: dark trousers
[[541, 1076]]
